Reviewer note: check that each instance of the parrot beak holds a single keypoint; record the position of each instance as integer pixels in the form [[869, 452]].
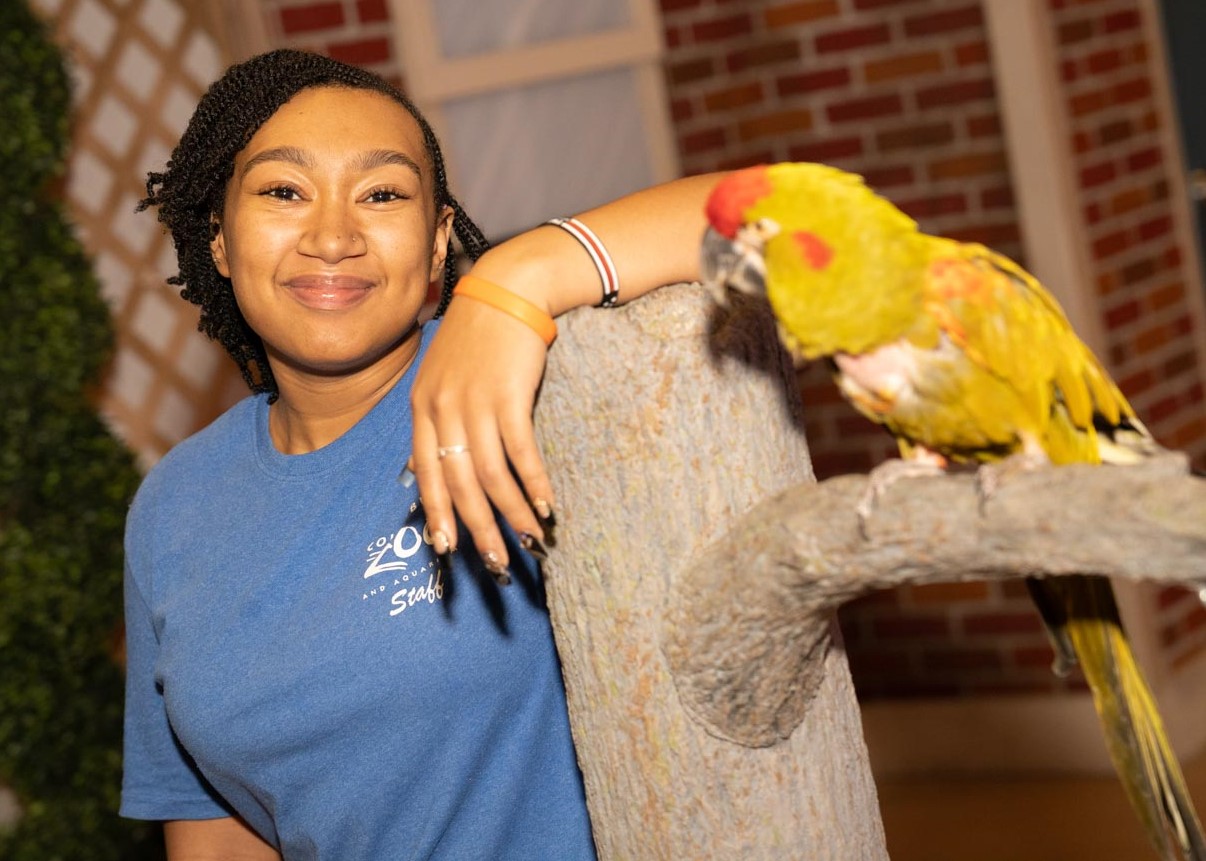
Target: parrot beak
[[733, 264]]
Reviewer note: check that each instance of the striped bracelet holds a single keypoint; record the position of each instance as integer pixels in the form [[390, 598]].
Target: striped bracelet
[[598, 255]]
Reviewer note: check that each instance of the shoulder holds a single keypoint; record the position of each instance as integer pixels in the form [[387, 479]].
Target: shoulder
[[187, 468]]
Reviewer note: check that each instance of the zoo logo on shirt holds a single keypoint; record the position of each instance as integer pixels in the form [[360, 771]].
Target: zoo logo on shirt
[[394, 554]]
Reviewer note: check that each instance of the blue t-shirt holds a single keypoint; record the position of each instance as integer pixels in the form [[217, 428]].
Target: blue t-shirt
[[296, 656]]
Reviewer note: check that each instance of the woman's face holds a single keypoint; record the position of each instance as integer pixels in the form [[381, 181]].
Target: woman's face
[[330, 234]]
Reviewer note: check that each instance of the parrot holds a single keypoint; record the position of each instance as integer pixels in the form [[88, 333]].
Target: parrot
[[965, 358]]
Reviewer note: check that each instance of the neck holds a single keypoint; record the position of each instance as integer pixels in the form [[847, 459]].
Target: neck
[[314, 410]]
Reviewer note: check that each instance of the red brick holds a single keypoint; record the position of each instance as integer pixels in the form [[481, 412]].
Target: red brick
[[1000, 197], [972, 54], [1116, 131], [865, 108], [1088, 103], [1137, 90], [370, 11], [907, 627], [1103, 61], [948, 593], [734, 97], [800, 12], [774, 124], [1167, 296], [977, 164], [304, 19], [679, 5], [962, 659], [362, 52], [830, 463], [1137, 383], [763, 54], [719, 29], [1143, 159], [1125, 313], [808, 82], [702, 141], [1097, 174], [747, 159], [1161, 410], [826, 151], [1033, 656], [944, 22], [931, 207], [1068, 71], [1074, 31], [1154, 227], [1125, 20], [988, 125], [888, 177], [681, 110], [955, 94], [689, 71], [1111, 244], [854, 37], [1139, 270], [879, 4], [907, 65], [1081, 143], [915, 137], [993, 624], [673, 37], [1181, 363], [992, 235]]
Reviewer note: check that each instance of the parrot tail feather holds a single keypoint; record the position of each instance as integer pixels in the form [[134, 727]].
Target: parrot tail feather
[[1134, 731]]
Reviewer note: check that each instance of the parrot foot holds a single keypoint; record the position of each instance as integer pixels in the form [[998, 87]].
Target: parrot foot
[[887, 474], [990, 476]]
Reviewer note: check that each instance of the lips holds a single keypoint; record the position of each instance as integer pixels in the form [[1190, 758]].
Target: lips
[[329, 292]]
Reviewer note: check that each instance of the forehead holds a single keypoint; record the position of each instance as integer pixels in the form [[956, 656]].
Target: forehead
[[335, 119]]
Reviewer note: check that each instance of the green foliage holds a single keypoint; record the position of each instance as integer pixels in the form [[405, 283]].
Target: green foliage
[[65, 484]]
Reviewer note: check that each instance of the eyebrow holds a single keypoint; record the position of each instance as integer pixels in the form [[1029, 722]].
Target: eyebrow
[[300, 157]]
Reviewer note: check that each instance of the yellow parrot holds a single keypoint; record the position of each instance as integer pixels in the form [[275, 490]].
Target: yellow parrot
[[963, 356]]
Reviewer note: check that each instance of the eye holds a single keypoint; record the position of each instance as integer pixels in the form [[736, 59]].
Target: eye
[[281, 192], [385, 195]]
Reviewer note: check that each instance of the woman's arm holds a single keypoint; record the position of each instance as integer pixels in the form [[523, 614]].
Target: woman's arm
[[227, 839], [478, 382]]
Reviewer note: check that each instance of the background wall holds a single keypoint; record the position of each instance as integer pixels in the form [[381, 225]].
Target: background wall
[[902, 91]]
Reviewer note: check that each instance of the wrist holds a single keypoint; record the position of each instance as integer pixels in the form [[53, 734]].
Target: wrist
[[544, 266]]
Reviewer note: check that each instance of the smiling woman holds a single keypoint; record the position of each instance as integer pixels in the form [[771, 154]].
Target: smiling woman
[[315, 669]]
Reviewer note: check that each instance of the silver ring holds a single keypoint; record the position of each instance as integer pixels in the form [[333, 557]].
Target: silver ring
[[444, 451]]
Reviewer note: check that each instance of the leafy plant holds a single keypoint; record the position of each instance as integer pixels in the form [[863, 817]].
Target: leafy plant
[[65, 484]]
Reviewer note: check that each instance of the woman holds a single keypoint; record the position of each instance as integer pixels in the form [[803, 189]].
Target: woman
[[317, 667]]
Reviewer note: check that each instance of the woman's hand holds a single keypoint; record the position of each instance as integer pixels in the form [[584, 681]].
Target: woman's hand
[[473, 399]]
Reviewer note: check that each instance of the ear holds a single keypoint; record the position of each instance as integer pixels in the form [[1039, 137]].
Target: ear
[[217, 248], [439, 243]]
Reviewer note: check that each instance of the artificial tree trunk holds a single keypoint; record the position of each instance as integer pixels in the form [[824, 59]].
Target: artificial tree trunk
[[698, 567]]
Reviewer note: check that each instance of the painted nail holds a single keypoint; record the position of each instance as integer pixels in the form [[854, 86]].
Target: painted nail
[[406, 477], [532, 544], [501, 575], [543, 510], [439, 541]]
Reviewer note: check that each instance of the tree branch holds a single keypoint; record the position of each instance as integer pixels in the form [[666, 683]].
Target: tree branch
[[749, 624]]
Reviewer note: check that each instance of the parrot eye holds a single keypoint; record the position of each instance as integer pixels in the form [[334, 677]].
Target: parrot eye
[[765, 228]]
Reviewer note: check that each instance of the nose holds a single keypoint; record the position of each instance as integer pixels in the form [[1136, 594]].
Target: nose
[[332, 234]]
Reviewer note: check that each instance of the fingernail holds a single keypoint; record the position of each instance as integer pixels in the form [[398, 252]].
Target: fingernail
[[532, 544], [544, 511], [440, 542], [501, 575], [406, 477]]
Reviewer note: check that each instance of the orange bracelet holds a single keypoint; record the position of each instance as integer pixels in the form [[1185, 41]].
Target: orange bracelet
[[507, 302]]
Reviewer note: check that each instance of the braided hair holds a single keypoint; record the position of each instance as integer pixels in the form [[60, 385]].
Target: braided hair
[[190, 193]]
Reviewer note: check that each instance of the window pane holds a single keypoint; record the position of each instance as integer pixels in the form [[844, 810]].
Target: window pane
[[522, 156], [470, 27]]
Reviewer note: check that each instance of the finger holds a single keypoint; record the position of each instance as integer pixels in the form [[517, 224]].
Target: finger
[[437, 502], [462, 451], [519, 441]]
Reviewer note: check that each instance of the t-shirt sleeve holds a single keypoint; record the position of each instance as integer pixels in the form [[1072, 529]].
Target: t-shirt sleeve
[[159, 779]]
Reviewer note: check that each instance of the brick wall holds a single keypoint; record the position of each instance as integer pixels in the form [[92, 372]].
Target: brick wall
[[902, 92], [1125, 174], [353, 31]]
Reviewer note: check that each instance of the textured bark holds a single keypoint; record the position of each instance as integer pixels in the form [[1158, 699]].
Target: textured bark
[[661, 425]]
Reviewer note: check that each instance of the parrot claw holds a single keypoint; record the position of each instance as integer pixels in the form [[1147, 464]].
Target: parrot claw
[[884, 476], [990, 476]]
